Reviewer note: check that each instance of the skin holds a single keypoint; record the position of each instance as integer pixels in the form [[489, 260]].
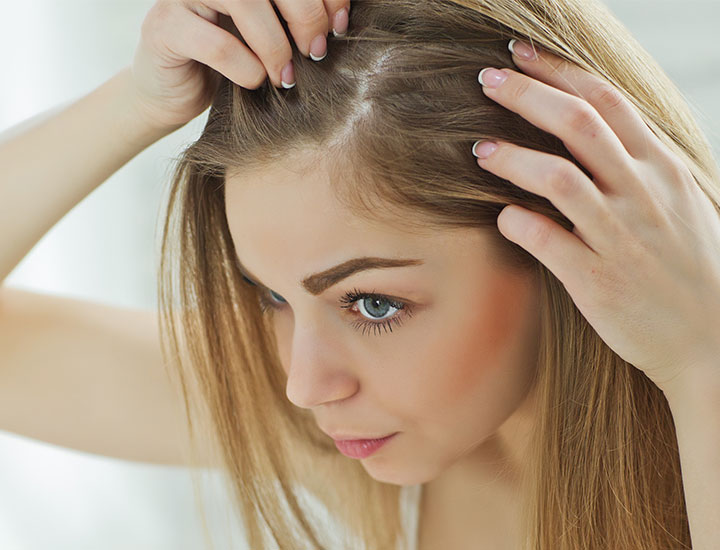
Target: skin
[[454, 379]]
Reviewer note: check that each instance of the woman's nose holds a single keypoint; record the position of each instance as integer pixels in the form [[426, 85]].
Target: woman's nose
[[317, 371]]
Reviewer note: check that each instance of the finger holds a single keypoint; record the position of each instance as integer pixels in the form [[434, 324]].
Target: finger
[[197, 38], [338, 13], [580, 127], [258, 24], [561, 182], [205, 12], [559, 250], [619, 113], [309, 24]]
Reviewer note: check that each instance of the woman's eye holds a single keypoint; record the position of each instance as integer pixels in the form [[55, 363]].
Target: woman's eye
[[377, 307], [277, 297], [271, 300], [375, 311]]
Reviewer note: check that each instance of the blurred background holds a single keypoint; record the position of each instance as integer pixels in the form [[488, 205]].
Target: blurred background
[[55, 51]]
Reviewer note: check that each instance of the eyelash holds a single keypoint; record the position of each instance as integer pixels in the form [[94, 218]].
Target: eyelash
[[349, 298]]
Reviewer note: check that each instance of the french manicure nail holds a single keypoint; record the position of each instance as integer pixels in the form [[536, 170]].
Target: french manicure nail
[[492, 78], [522, 49], [318, 48], [288, 75], [483, 149], [340, 22]]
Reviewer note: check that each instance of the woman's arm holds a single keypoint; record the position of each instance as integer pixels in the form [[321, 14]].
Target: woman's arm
[[695, 408], [49, 164]]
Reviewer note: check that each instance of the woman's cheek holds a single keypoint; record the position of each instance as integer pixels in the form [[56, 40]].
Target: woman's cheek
[[481, 349]]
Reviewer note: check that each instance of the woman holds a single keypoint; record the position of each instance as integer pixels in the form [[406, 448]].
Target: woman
[[337, 265]]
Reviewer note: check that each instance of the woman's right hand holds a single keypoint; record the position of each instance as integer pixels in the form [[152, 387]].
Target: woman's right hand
[[183, 44]]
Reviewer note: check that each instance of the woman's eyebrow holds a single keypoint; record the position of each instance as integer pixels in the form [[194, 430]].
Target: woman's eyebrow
[[318, 283]]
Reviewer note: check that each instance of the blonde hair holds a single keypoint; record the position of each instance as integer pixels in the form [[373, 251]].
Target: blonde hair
[[394, 110]]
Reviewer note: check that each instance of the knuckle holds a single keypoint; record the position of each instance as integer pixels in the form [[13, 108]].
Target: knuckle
[[279, 53], [671, 163], [312, 13], [583, 119], [222, 48], [160, 10], [671, 166], [539, 235], [686, 183], [680, 171], [606, 96], [562, 180], [520, 88], [634, 172], [158, 14]]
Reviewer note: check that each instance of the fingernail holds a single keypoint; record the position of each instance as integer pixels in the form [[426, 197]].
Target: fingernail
[[340, 22], [318, 48], [288, 75], [483, 149], [522, 49], [492, 78]]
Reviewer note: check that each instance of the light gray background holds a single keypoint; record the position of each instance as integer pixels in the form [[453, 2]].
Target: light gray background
[[54, 51]]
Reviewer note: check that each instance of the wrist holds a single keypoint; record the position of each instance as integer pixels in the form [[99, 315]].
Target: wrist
[[134, 123], [698, 390]]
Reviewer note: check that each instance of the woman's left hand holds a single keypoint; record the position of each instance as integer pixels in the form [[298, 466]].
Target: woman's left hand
[[642, 263]]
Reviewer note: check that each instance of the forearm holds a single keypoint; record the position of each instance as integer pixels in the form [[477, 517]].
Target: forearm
[[49, 166], [696, 412]]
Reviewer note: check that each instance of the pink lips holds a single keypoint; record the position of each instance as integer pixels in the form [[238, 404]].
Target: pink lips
[[361, 448]]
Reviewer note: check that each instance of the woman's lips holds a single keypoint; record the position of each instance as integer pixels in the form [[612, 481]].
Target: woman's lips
[[361, 448]]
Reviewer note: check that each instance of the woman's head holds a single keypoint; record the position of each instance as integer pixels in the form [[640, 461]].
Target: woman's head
[[369, 156], [445, 367]]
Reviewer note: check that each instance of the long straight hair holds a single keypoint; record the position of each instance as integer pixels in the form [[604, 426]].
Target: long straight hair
[[393, 111]]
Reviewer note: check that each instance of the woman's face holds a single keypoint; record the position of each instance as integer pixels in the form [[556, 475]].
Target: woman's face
[[455, 367]]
